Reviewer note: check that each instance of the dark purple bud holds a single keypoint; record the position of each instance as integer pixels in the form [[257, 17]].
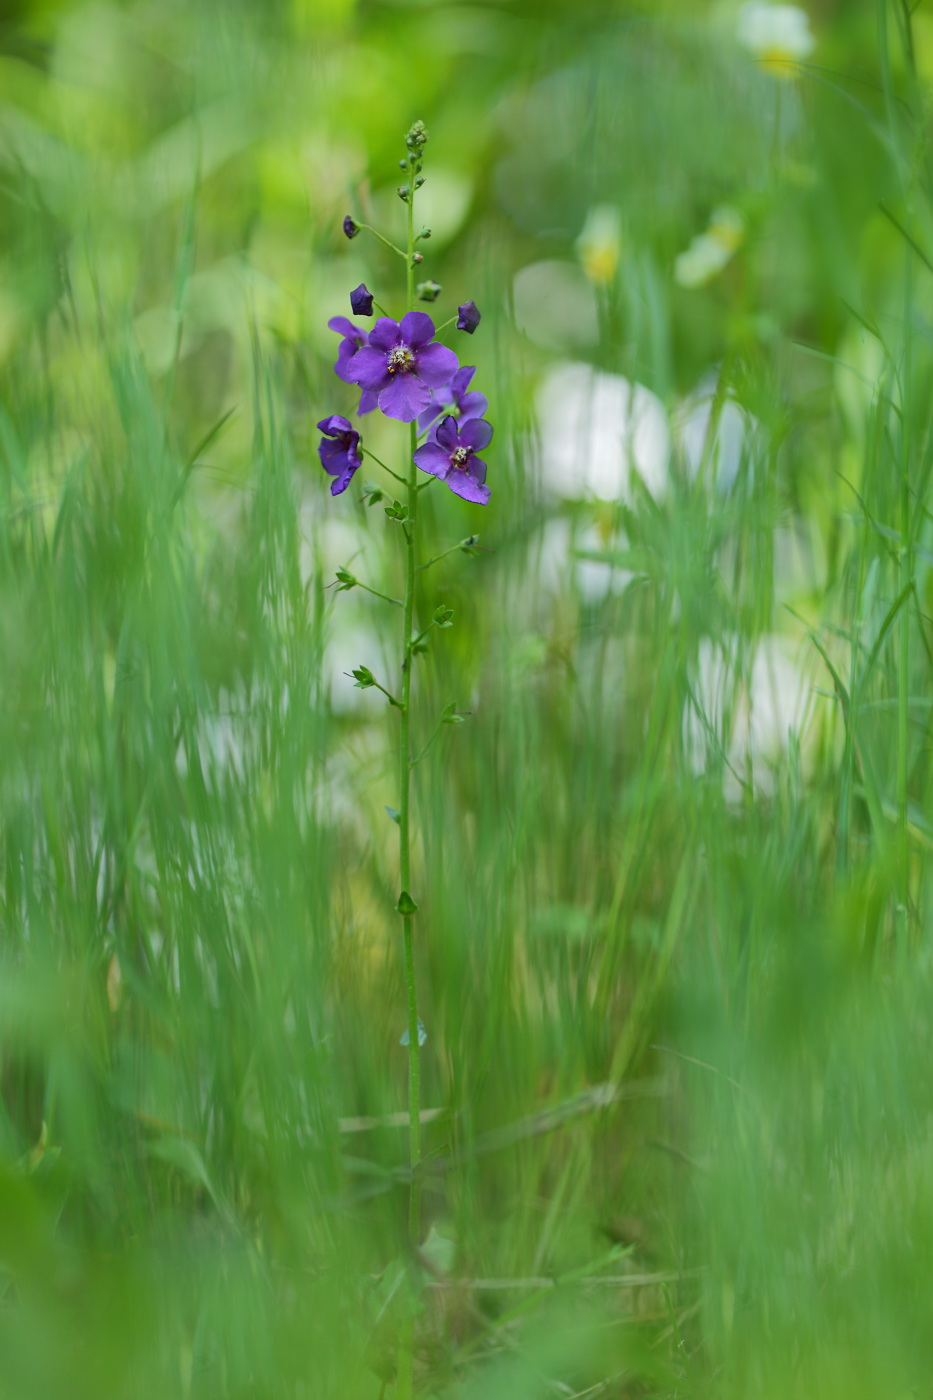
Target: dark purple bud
[[350, 228], [469, 317], [361, 301]]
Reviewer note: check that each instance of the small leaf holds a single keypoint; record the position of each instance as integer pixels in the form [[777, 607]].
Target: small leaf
[[405, 905], [394, 816], [442, 616]]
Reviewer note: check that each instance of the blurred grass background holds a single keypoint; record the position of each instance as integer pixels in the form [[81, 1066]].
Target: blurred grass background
[[674, 960]]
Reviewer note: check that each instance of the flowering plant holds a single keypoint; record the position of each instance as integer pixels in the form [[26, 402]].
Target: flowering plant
[[404, 371]]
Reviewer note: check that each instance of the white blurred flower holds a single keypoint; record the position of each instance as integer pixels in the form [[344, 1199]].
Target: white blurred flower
[[599, 246], [596, 430], [718, 450], [748, 715], [777, 35], [709, 252], [558, 564]]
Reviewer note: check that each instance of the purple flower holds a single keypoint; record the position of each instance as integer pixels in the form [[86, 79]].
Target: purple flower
[[354, 338], [469, 317], [452, 457], [339, 450], [350, 228], [401, 363], [455, 399], [361, 301]]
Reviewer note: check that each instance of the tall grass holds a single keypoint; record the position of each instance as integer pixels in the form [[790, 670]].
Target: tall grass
[[673, 869]]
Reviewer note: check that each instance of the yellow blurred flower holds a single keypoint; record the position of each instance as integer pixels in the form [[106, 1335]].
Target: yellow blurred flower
[[777, 35], [710, 251], [599, 246]]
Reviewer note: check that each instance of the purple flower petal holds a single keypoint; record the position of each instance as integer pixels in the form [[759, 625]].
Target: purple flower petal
[[416, 328], [472, 406], [470, 484], [384, 334], [368, 369], [433, 459], [462, 381], [348, 351], [403, 397], [368, 401], [343, 480], [434, 363], [344, 326], [446, 435], [430, 414], [476, 434], [336, 423]]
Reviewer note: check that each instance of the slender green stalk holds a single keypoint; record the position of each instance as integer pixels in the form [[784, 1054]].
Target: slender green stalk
[[405, 1360], [903, 659]]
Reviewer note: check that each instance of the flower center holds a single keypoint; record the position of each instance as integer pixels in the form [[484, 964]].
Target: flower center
[[460, 456], [401, 358]]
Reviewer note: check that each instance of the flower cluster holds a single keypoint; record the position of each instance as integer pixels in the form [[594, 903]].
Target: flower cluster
[[401, 368]]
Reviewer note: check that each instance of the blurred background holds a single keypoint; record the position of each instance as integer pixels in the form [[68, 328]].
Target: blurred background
[[674, 939]]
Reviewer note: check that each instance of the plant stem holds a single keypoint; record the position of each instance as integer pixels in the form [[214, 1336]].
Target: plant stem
[[414, 1067], [903, 660], [403, 1388]]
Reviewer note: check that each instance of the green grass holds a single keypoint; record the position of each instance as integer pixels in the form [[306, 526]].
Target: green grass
[[676, 989]]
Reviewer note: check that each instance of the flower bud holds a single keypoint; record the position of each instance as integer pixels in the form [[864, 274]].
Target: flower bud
[[350, 228], [425, 233], [428, 291], [404, 193], [417, 258], [361, 300], [416, 136], [468, 318]]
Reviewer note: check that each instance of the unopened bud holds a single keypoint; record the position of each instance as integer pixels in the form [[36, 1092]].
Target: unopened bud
[[428, 291]]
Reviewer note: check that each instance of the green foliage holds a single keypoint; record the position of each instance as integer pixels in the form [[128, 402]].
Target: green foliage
[[673, 876]]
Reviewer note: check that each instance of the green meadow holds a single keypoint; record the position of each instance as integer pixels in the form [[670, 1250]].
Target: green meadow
[[674, 865]]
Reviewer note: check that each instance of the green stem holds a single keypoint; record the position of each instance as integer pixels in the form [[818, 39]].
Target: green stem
[[373, 458], [903, 659], [388, 242], [403, 1389], [396, 602], [461, 544]]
